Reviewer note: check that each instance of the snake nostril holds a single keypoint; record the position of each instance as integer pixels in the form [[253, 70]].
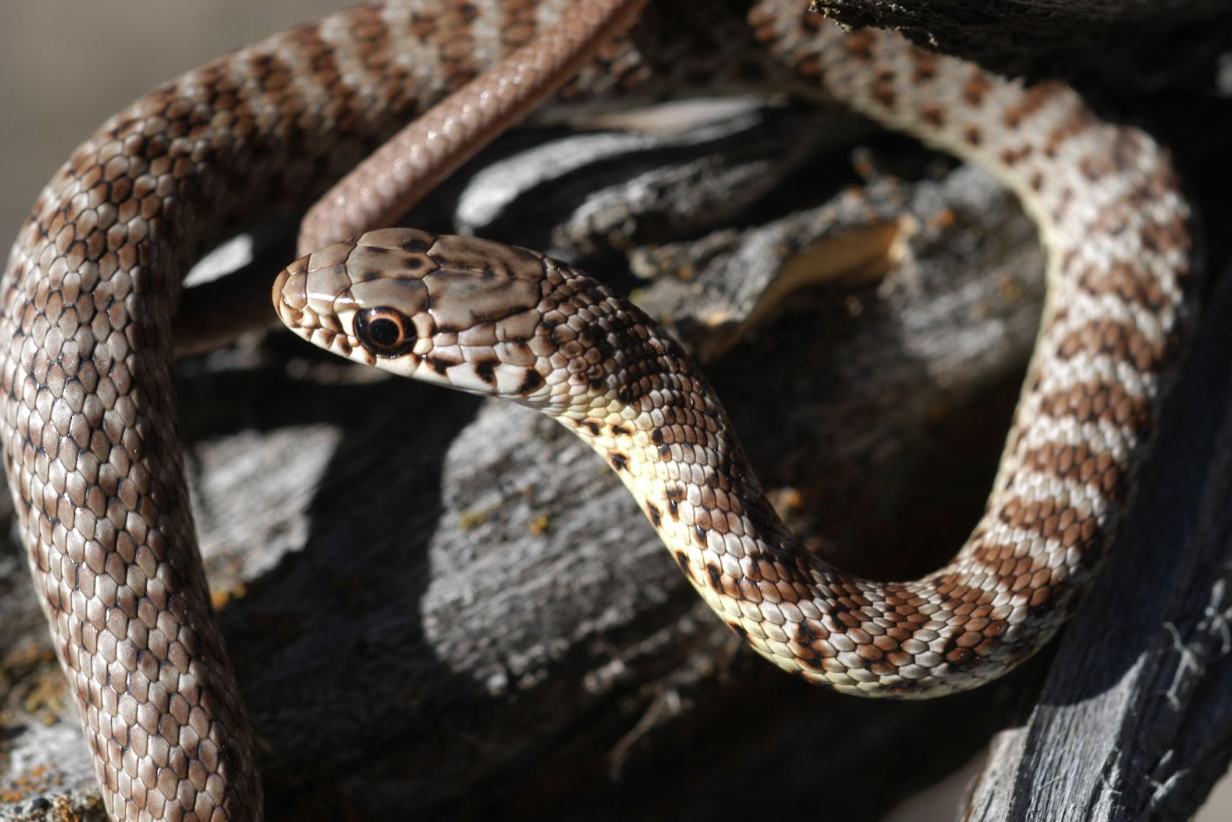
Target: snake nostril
[[384, 332]]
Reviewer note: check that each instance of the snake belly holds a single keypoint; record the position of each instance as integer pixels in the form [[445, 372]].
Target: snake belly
[[91, 287]]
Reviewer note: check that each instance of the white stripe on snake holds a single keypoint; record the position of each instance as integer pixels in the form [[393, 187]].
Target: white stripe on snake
[[92, 284]]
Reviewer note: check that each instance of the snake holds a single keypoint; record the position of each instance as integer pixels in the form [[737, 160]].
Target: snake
[[88, 319]]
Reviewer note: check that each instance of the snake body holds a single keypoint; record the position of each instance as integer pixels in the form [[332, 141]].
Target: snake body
[[92, 284]]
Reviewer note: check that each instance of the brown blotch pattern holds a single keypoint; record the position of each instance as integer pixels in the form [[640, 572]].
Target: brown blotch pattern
[[85, 376]]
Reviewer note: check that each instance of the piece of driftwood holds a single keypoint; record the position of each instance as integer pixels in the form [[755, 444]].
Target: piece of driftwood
[[1049, 17], [445, 608], [1135, 721], [1142, 37]]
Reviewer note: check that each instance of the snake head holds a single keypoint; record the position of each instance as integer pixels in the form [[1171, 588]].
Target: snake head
[[469, 314]]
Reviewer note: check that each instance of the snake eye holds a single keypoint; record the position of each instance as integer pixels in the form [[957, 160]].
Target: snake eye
[[384, 332]]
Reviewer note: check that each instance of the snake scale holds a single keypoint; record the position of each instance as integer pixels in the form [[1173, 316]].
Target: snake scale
[[93, 282]]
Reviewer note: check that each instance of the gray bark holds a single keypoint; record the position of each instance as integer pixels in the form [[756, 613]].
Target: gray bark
[[1042, 37], [1134, 721]]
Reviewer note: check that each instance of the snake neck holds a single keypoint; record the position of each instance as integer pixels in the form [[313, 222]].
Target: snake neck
[[645, 407], [669, 440]]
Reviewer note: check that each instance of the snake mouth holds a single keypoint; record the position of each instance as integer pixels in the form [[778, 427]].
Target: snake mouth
[[290, 295]]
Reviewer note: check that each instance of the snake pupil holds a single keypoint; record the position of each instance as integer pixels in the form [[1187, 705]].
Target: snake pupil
[[383, 331]]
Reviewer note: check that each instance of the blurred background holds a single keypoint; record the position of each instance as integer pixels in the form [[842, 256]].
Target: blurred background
[[65, 67]]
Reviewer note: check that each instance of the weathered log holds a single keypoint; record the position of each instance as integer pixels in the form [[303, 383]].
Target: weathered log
[[1134, 721], [1148, 38]]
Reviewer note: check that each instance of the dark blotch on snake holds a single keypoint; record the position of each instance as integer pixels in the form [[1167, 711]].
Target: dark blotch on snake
[[530, 381], [414, 244], [682, 560], [486, 369]]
